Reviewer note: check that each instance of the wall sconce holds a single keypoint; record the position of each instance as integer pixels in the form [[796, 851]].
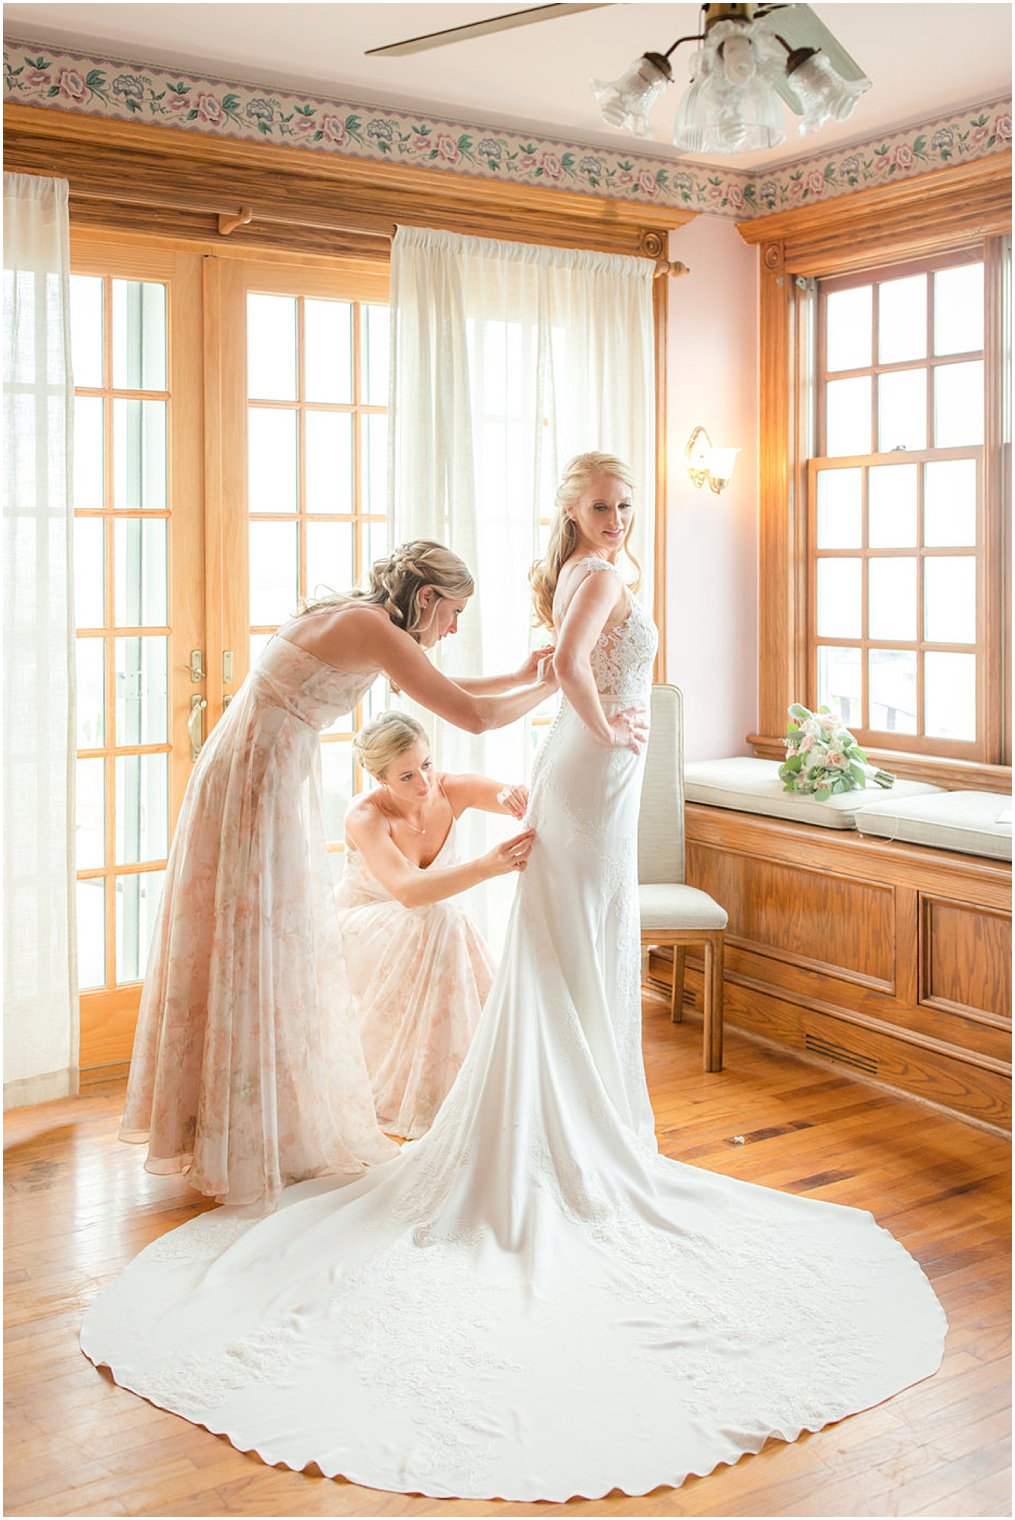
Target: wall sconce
[[705, 463]]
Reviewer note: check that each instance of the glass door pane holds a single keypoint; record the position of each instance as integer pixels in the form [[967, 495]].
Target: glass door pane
[[138, 538]]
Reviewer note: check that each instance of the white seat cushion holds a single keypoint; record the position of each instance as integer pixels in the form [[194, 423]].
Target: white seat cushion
[[965, 821], [678, 906], [750, 785]]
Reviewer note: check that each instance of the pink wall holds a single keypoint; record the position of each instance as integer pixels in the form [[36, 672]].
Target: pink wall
[[712, 570]]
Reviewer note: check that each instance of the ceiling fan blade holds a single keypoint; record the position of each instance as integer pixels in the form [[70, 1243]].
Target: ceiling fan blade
[[800, 27], [480, 29]]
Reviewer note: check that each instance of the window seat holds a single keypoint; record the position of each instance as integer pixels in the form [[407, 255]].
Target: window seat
[[887, 957], [750, 785], [971, 822]]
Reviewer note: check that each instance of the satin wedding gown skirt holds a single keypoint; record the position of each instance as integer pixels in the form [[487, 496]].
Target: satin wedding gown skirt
[[530, 1302], [247, 1072], [418, 979]]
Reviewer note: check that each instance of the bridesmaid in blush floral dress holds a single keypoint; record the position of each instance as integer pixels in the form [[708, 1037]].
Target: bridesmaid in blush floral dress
[[248, 1072], [415, 966]]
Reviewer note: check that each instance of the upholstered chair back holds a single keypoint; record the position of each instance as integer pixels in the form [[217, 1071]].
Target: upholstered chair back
[[661, 823]]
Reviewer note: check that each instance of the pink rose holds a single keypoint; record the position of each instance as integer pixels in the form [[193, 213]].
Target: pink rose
[[527, 161], [447, 149], [333, 128], [979, 134], [798, 187], [36, 77], [307, 124], [714, 193], [551, 166], [71, 86], [1003, 128], [881, 162], [735, 196], [209, 110], [180, 103], [837, 759], [806, 743], [903, 157], [815, 182], [647, 182], [625, 179]]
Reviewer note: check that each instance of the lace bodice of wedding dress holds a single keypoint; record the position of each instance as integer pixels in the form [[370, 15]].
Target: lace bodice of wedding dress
[[530, 1303]]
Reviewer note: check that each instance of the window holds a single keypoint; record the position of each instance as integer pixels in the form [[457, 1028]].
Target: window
[[230, 459], [904, 593], [317, 469], [121, 572]]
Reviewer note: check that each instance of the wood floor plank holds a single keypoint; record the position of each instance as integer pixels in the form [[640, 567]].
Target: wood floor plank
[[79, 1206]]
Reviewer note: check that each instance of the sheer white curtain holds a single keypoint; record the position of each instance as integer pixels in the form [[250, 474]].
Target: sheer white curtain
[[507, 359], [40, 963]]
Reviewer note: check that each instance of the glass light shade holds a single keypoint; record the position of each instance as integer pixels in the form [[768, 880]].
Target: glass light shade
[[721, 464], [738, 59], [627, 101], [823, 92], [717, 117]]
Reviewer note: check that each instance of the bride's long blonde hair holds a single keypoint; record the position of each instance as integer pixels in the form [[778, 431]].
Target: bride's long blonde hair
[[545, 573], [395, 583]]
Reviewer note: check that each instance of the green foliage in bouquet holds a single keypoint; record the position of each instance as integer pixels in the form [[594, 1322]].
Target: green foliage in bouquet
[[822, 757]]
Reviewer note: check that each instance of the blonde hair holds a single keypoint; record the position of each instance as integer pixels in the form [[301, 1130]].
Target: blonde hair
[[545, 573], [384, 738], [395, 583]]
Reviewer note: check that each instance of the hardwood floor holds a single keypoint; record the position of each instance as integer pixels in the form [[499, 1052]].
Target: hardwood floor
[[79, 1206]]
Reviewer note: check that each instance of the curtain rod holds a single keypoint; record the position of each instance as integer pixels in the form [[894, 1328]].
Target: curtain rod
[[228, 222]]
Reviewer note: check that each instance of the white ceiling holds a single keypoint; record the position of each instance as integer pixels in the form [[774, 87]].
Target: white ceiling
[[925, 58]]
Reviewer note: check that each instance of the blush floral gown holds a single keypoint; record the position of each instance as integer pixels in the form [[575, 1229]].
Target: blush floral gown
[[531, 1303], [247, 1072], [418, 979]]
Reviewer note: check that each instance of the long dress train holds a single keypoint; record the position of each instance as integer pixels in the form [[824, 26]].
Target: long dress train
[[248, 1072], [418, 979], [530, 1302]]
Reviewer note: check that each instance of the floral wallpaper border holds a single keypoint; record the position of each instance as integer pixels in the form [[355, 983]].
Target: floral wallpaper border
[[124, 91]]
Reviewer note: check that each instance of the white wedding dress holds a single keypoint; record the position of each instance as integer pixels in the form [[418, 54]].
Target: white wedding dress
[[530, 1303]]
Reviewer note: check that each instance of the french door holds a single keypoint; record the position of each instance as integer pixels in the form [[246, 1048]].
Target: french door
[[230, 459]]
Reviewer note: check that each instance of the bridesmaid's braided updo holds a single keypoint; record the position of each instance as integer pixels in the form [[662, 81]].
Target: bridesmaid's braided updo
[[395, 584]]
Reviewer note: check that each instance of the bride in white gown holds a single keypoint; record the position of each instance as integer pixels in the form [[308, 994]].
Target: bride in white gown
[[530, 1302]]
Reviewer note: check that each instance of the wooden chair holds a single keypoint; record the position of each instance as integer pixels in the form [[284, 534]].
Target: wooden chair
[[672, 913]]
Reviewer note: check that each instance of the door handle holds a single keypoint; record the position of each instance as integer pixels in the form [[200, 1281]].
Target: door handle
[[195, 725]]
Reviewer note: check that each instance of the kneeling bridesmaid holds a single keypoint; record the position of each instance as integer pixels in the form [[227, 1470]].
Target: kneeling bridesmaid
[[415, 966]]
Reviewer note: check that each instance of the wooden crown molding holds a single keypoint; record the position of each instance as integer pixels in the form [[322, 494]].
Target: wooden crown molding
[[160, 179], [932, 212]]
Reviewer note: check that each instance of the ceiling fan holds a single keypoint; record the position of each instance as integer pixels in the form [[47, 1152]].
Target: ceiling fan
[[747, 56]]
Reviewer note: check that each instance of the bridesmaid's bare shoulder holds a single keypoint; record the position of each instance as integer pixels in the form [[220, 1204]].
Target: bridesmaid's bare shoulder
[[366, 817], [347, 636]]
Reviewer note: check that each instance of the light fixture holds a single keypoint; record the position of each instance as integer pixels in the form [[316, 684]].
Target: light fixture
[[708, 465], [744, 65]]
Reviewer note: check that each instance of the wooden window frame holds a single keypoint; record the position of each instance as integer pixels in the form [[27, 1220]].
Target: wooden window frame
[[987, 742], [945, 211]]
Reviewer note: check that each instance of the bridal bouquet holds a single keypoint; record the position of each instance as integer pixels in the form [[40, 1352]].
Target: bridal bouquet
[[823, 758]]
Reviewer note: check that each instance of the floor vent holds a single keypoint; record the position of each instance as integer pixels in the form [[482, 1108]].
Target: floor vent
[[832, 1052]]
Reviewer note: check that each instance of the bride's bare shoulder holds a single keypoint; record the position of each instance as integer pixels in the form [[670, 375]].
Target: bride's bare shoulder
[[573, 572]]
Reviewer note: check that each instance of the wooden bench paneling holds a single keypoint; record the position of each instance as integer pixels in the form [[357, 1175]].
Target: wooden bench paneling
[[891, 960]]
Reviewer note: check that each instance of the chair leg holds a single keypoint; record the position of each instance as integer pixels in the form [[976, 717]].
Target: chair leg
[[713, 1000], [677, 989]]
